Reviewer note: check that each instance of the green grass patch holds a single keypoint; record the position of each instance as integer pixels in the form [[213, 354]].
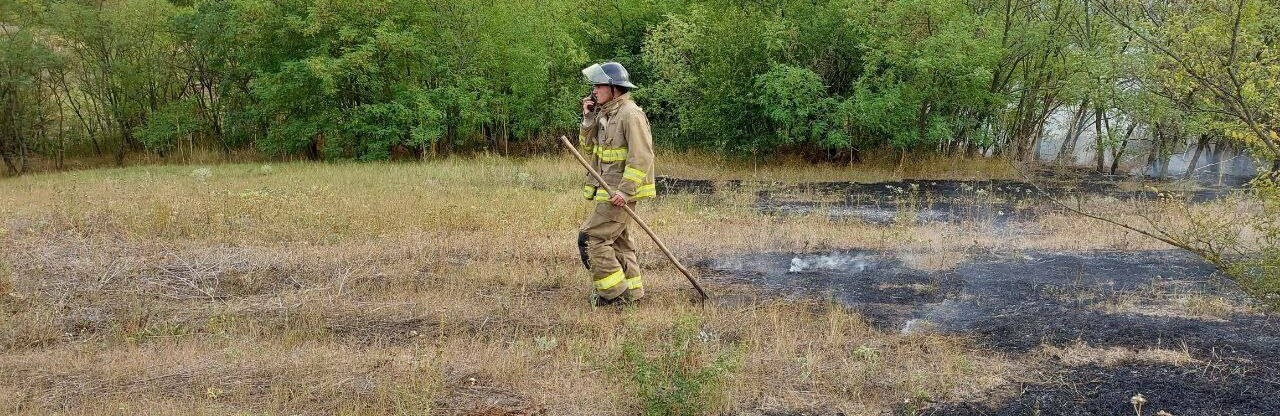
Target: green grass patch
[[683, 374]]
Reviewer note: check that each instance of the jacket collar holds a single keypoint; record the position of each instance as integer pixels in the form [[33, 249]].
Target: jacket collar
[[610, 108]]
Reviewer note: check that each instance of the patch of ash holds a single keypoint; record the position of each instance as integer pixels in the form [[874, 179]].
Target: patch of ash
[[926, 201], [881, 287], [1221, 350]]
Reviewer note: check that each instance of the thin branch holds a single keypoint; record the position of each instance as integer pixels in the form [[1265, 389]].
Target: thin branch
[[1162, 236], [1229, 98]]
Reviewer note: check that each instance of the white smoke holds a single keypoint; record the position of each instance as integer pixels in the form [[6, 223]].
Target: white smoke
[[1233, 161], [912, 325], [842, 262]]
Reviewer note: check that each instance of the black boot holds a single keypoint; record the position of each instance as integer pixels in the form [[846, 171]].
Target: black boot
[[582, 249], [596, 300]]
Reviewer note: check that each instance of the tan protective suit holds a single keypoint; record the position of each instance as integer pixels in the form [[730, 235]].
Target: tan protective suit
[[617, 142]]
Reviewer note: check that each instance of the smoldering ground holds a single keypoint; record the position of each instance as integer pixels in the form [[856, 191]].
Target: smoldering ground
[[1101, 325], [996, 202]]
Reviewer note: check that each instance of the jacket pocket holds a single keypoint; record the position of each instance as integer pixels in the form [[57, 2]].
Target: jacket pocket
[[612, 178]]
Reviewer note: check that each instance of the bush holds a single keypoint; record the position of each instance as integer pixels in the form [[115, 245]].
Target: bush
[[796, 103], [1259, 269], [685, 376]]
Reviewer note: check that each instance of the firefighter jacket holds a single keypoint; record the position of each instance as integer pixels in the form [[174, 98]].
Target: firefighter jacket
[[616, 141]]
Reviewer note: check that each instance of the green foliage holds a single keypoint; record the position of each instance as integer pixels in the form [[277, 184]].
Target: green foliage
[[354, 84], [368, 79], [1258, 270], [684, 376], [796, 103], [1222, 56], [167, 126], [752, 80], [927, 74], [25, 62], [712, 58]]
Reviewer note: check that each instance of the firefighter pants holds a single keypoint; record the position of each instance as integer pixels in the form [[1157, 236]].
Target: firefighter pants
[[609, 252]]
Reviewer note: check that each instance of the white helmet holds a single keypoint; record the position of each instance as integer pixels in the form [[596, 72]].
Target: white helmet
[[608, 73]]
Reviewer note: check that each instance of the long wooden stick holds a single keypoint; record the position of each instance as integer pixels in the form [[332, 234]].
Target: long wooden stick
[[565, 141]]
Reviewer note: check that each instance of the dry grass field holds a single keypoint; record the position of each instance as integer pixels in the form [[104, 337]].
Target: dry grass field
[[453, 287]]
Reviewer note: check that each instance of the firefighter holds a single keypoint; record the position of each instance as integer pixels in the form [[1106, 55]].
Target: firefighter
[[616, 141]]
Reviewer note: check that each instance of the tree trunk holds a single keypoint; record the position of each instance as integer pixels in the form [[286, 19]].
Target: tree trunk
[[11, 149], [1098, 144], [8, 162], [1118, 153], [1221, 152], [23, 153], [80, 113], [313, 150], [1156, 137], [1214, 151], [490, 139], [922, 122], [1162, 160], [1037, 140], [1195, 157], [9, 127], [506, 138], [124, 142], [1016, 136], [62, 131], [451, 131], [1074, 128]]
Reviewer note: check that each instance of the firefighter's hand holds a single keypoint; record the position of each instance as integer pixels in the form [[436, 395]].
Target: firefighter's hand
[[618, 199], [587, 105]]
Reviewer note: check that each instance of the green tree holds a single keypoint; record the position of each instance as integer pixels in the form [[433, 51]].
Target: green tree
[[927, 73], [1224, 49], [125, 53], [25, 65]]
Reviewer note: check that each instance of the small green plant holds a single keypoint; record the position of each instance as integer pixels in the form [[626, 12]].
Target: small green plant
[[155, 332], [866, 354], [910, 203], [546, 343], [685, 376]]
